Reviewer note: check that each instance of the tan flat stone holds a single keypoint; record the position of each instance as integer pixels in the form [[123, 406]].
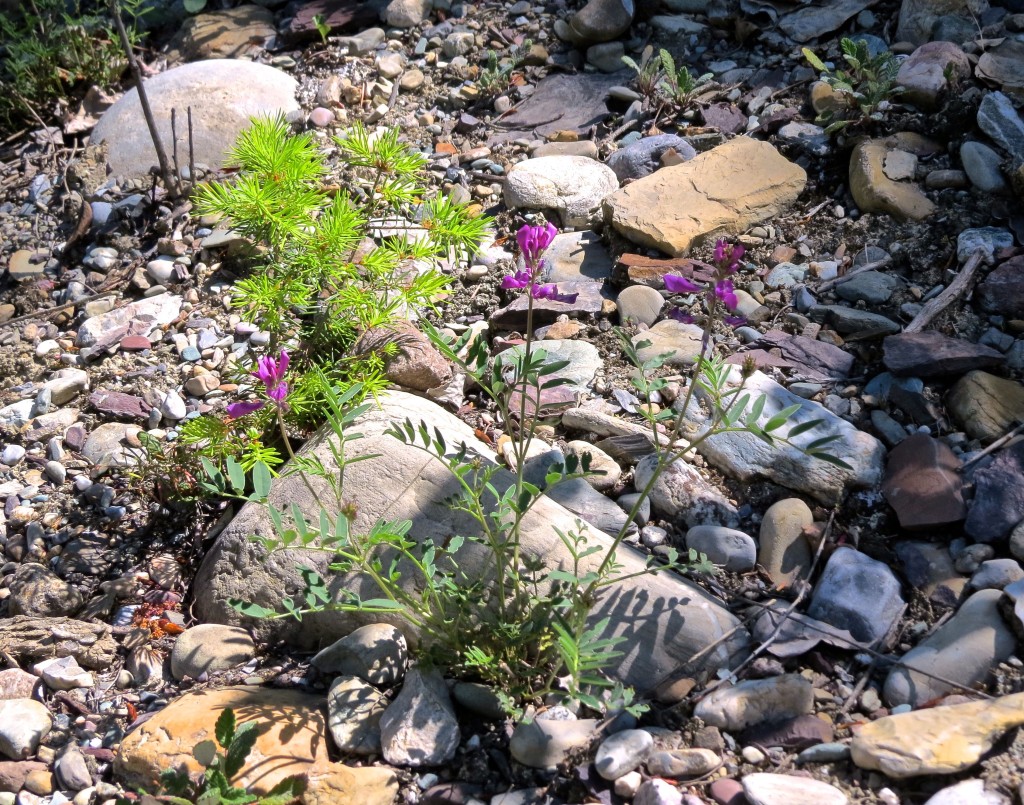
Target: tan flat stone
[[874, 191], [292, 741], [738, 184], [986, 405], [943, 740]]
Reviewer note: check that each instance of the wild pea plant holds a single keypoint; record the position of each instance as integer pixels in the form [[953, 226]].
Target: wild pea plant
[[867, 87], [519, 625]]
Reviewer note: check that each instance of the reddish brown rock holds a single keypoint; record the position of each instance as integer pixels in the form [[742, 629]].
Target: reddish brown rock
[[415, 364], [1002, 292], [135, 343], [338, 15], [118, 404], [17, 684], [14, 772], [931, 354], [922, 483], [793, 733]]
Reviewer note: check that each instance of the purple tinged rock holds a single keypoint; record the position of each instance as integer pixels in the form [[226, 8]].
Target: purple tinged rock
[[589, 300], [998, 504], [924, 74], [120, 405], [725, 117], [923, 483], [1002, 291], [931, 354]]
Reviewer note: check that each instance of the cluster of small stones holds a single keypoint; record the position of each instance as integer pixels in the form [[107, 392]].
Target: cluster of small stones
[[95, 619]]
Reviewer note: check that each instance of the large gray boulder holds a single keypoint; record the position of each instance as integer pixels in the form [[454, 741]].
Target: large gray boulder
[[664, 619], [223, 93]]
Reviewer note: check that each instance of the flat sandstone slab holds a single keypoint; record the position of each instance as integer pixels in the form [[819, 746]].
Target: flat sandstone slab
[[722, 191]]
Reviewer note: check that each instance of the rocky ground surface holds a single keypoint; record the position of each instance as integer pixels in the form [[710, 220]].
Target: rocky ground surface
[[872, 617]]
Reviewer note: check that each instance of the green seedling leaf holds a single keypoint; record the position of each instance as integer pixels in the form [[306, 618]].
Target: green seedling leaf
[[224, 729], [816, 63], [249, 609]]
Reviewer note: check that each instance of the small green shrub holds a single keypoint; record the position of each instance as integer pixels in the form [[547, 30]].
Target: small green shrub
[[867, 86], [49, 48]]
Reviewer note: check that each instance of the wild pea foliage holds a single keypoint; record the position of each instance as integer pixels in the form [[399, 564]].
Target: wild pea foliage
[[867, 85], [515, 623]]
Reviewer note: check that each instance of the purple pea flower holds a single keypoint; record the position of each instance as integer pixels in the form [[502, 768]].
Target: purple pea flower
[[521, 279], [550, 291], [678, 284], [239, 409], [534, 241], [727, 257], [725, 292], [270, 372]]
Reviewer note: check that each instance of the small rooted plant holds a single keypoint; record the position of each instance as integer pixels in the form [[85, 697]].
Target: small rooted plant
[[495, 77], [222, 761], [520, 625], [649, 72], [680, 86], [49, 48], [322, 27], [867, 87]]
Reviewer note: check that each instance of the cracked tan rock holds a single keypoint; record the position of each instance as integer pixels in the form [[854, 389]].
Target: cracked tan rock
[[736, 185], [942, 740]]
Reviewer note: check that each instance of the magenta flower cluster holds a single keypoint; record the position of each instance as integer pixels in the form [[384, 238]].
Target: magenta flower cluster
[[533, 242], [726, 263], [271, 373]]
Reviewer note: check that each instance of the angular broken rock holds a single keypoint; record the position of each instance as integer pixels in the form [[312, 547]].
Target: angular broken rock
[[923, 483], [140, 317], [734, 186], [1002, 291], [402, 482], [940, 740], [932, 354], [744, 456], [998, 504], [414, 363]]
